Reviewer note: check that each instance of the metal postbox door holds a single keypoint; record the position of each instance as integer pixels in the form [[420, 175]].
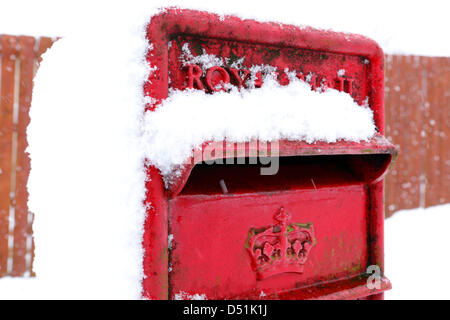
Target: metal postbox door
[[215, 249], [325, 209]]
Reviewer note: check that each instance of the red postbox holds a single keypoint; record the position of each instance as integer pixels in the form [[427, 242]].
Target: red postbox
[[314, 230]]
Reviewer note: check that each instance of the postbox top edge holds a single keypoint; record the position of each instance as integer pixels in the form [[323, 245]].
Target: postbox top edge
[[175, 21]]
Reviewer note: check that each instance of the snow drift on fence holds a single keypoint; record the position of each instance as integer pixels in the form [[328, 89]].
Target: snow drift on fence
[[86, 182]]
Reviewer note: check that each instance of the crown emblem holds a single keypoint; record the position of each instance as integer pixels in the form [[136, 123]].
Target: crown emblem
[[282, 247]]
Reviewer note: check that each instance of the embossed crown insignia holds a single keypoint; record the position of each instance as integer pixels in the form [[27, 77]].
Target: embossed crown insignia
[[283, 247]]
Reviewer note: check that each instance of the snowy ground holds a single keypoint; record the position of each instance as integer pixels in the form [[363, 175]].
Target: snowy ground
[[416, 258]]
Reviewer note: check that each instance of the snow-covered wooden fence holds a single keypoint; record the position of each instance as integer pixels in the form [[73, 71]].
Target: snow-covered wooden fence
[[417, 114], [19, 58], [417, 98]]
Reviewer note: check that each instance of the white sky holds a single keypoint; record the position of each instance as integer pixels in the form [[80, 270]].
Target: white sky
[[411, 27]]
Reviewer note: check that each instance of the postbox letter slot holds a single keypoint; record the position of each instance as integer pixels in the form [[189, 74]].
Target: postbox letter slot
[[297, 172]]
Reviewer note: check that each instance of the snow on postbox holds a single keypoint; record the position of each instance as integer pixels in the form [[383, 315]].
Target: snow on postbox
[[314, 229]]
